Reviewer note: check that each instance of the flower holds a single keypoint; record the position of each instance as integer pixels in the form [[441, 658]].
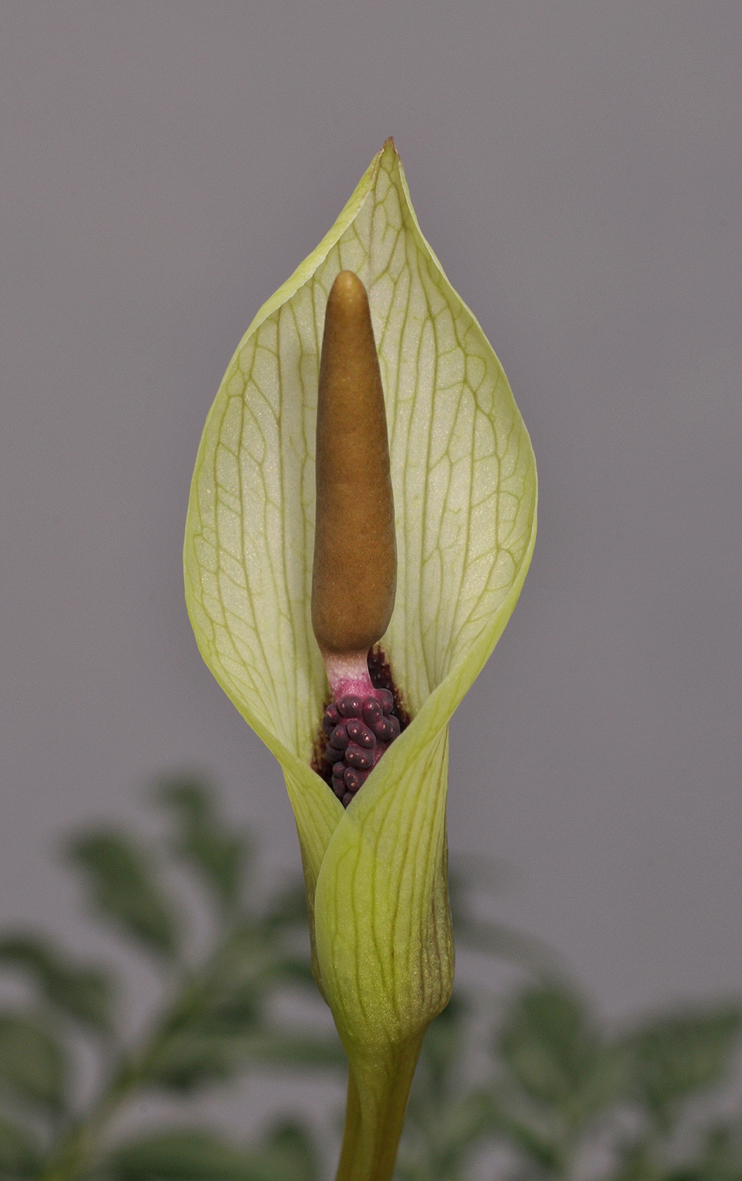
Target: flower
[[464, 480]]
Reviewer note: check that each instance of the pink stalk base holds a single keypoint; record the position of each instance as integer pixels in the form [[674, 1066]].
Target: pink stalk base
[[348, 674]]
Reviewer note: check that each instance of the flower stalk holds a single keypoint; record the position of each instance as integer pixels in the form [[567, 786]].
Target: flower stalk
[[374, 1113]]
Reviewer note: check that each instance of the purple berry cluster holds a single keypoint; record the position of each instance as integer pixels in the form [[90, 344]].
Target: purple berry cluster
[[358, 730]]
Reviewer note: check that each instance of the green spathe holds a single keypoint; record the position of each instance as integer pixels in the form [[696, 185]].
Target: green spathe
[[464, 480]]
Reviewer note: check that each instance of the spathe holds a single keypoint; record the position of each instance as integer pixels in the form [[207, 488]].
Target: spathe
[[464, 481]]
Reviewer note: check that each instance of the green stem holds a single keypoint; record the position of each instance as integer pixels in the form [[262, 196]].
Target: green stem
[[375, 1110]]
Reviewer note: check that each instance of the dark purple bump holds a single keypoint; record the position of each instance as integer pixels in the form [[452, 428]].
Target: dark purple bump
[[396, 727], [339, 769], [350, 706], [386, 699], [355, 756], [338, 786], [347, 798], [330, 718], [339, 737], [353, 779], [359, 733], [372, 710], [384, 730], [334, 755]]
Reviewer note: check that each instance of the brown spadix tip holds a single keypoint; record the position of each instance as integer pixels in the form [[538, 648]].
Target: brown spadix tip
[[355, 550]]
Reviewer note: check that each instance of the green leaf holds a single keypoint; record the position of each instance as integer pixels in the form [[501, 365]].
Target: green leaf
[[33, 1065], [287, 908], [540, 1145], [124, 888], [444, 1046], [638, 1161], [20, 1155], [81, 992], [297, 1051], [441, 1134], [547, 1043], [289, 1154], [195, 1059], [235, 1013], [232, 1013], [681, 1055], [720, 1158], [204, 841], [293, 970], [179, 1154], [550, 1045], [191, 1061], [447, 1117]]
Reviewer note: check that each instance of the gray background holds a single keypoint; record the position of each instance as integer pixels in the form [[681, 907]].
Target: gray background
[[577, 168]]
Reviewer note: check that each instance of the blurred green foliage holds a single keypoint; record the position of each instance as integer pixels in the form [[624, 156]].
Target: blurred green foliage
[[532, 1079]]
